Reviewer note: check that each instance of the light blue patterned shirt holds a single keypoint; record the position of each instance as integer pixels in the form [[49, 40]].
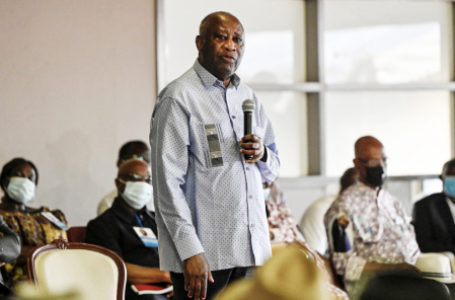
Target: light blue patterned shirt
[[207, 199]]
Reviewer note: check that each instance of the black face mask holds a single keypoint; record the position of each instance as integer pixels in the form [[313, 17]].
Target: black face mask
[[375, 176]]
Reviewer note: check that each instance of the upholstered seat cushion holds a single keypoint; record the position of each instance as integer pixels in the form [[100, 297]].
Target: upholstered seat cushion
[[93, 274]]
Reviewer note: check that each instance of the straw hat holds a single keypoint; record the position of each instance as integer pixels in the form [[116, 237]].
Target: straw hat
[[435, 266], [291, 274]]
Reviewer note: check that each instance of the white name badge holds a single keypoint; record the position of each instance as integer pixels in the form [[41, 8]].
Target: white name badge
[[54, 220], [147, 236]]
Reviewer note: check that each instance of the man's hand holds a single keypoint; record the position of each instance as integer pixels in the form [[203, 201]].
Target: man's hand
[[196, 273], [252, 145]]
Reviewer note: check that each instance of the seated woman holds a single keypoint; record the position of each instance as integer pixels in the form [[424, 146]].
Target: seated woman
[[35, 226]]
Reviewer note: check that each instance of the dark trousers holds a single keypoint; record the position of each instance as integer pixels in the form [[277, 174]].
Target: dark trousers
[[222, 279]]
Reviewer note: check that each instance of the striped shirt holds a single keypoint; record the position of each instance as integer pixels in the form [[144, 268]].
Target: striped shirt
[[207, 199]]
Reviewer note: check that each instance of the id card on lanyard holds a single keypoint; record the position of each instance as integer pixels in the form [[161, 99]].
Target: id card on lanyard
[[147, 236], [54, 220]]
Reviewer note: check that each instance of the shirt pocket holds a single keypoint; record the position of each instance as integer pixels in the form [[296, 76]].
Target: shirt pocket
[[206, 146]]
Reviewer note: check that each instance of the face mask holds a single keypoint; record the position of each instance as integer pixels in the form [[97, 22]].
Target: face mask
[[375, 176], [449, 186], [137, 193], [21, 189], [266, 193]]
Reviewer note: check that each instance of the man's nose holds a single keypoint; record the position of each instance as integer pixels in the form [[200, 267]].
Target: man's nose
[[229, 44]]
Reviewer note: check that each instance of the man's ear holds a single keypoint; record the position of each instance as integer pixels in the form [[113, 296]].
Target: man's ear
[[120, 186], [199, 43], [356, 162]]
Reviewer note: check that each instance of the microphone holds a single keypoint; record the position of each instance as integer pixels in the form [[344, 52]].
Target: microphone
[[248, 109]]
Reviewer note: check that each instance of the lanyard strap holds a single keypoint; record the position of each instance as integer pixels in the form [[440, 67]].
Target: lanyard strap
[[139, 221]]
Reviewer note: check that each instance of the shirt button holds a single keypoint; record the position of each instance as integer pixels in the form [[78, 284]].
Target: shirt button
[[251, 197], [233, 117], [247, 168]]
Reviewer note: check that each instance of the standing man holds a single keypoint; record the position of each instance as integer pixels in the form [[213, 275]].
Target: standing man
[[209, 202], [376, 234], [434, 215]]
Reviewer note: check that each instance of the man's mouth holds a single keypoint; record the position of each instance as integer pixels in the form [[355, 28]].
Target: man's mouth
[[228, 59]]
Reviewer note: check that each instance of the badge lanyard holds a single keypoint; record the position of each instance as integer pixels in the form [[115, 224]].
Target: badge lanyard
[[139, 221]]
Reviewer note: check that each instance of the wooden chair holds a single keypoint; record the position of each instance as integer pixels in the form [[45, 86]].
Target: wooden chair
[[76, 234], [96, 272]]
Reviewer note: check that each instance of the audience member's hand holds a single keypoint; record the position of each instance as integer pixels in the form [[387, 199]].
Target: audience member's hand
[[252, 145], [196, 273], [343, 221], [167, 276]]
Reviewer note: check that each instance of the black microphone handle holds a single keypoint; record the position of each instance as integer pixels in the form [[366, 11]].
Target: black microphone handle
[[248, 125]]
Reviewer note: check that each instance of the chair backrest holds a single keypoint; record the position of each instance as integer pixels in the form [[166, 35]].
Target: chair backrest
[[76, 234], [403, 285], [96, 272]]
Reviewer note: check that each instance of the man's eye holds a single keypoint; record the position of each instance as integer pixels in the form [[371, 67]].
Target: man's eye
[[238, 40], [221, 37]]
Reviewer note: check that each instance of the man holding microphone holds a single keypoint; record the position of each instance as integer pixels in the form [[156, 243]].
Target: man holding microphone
[[207, 171]]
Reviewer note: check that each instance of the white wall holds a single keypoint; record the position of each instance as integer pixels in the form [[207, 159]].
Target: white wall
[[77, 79]]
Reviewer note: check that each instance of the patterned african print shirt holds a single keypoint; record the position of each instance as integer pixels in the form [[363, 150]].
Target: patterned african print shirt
[[379, 231], [207, 199], [34, 230]]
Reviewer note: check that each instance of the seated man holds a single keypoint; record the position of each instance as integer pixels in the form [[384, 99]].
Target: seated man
[[368, 229], [121, 228], [434, 215], [132, 149]]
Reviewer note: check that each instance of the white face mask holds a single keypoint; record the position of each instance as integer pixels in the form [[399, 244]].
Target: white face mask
[[137, 193], [21, 189]]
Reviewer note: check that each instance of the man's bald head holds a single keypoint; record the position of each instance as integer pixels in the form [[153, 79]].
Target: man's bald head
[[370, 160], [213, 19], [364, 144], [133, 166]]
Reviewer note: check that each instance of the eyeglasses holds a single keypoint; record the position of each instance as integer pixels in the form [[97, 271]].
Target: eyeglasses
[[374, 162], [135, 177], [139, 157]]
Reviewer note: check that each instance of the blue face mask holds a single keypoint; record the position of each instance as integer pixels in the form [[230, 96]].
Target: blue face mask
[[449, 186]]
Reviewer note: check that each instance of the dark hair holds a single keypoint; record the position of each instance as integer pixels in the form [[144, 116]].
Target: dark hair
[[349, 177], [448, 165], [9, 166], [130, 148]]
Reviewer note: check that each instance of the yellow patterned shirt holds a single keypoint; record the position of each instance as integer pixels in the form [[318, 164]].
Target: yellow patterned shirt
[[34, 229]]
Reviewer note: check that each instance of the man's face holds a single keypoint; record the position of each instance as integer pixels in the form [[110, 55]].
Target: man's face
[[132, 170], [371, 157], [222, 46]]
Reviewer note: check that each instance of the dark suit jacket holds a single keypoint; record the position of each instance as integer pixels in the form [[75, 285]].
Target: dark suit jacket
[[434, 224]]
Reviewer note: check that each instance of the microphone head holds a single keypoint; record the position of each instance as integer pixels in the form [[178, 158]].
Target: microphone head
[[248, 106]]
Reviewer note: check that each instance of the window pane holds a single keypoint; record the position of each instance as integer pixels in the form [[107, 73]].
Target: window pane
[[413, 126], [287, 112], [274, 38], [387, 41]]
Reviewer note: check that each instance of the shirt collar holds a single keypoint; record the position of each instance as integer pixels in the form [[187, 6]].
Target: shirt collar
[[208, 79], [125, 214]]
